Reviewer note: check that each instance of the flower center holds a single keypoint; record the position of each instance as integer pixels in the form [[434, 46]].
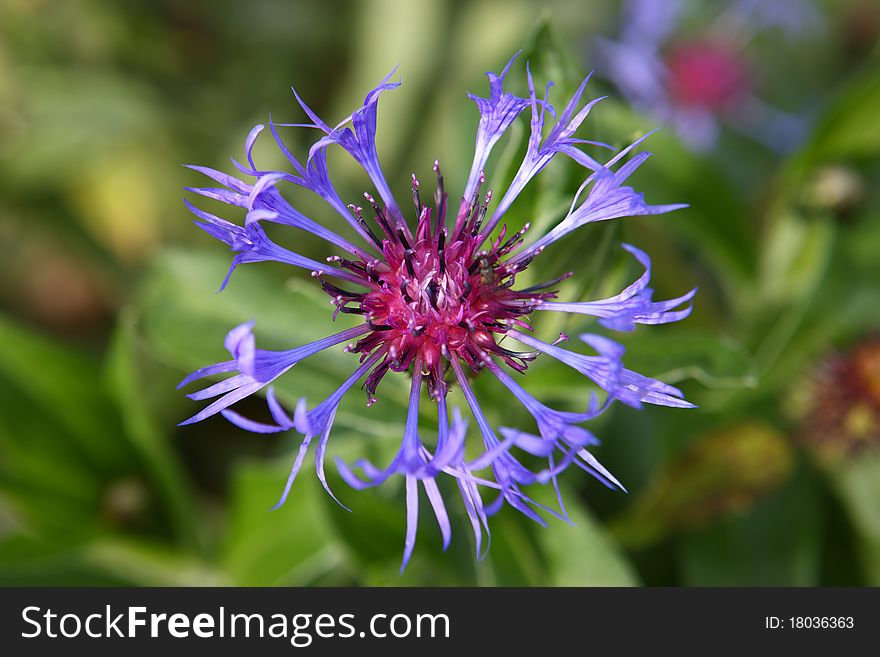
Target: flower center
[[706, 75], [436, 295]]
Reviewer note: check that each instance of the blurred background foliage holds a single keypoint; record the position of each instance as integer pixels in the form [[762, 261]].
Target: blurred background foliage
[[108, 299]]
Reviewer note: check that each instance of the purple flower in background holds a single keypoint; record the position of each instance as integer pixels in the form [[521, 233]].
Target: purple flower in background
[[694, 78], [436, 299]]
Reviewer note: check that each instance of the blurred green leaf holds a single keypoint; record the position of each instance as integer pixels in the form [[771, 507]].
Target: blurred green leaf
[[66, 386], [795, 255], [717, 362], [515, 557], [292, 545], [130, 387], [777, 543], [59, 435], [857, 482], [76, 119], [68, 477], [862, 244], [545, 51], [27, 560], [718, 474], [851, 127], [47, 487], [841, 306], [140, 563], [583, 553]]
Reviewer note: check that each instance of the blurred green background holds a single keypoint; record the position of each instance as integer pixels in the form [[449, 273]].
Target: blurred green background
[[108, 299]]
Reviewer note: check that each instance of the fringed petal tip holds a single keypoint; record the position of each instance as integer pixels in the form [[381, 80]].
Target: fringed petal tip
[[301, 417], [349, 477], [590, 464], [251, 425], [201, 373]]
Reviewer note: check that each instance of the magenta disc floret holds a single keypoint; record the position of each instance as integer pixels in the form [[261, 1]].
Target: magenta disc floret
[[438, 294]]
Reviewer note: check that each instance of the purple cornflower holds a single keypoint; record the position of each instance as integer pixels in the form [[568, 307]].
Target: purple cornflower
[[436, 300], [696, 79]]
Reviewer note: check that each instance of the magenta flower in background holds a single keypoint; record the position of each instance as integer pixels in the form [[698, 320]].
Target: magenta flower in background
[[685, 63], [436, 295]]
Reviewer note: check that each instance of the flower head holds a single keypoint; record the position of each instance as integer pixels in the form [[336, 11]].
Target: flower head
[[439, 303], [840, 403], [694, 81]]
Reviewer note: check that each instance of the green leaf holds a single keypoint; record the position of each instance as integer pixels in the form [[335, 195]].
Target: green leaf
[[544, 49], [717, 362], [583, 553], [130, 385], [835, 309], [777, 543], [851, 127], [62, 456], [65, 385], [857, 482], [795, 255], [139, 563], [292, 545], [721, 473], [82, 117], [27, 560], [515, 557]]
